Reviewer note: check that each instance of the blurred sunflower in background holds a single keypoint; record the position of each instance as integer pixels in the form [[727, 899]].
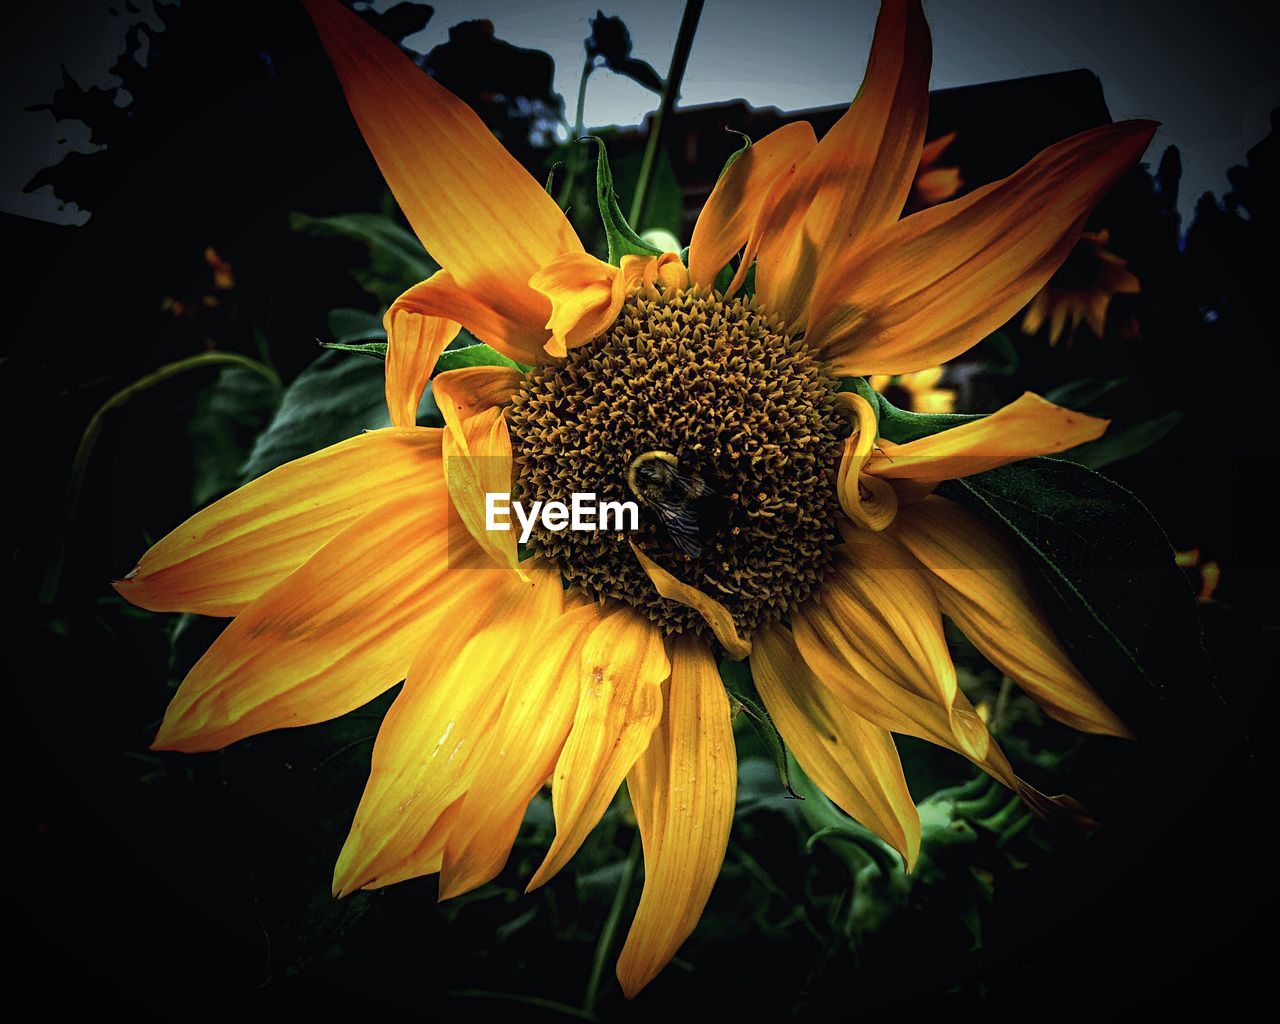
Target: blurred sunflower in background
[[1081, 290], [935, 181], [916, 392], [824, 557]]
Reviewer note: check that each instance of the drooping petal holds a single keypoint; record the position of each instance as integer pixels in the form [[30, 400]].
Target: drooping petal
[[852, 761], [713, 613], [983, 587], [519, 755], [231, 553], [923, 290], [330, 636], [477, 211], [858, 178], [430, 743], [620, 675], [1024, 428], [738, 200], [683, 789], [873, 634], [476, 449]]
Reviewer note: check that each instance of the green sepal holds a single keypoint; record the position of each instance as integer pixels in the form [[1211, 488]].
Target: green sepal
[[623, 241], [478, 354], [377, 349], [743, 699]]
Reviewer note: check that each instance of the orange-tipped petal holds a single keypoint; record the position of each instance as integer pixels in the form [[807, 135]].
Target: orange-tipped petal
[[984, 588], [432, 741], [1024, 428], [713, 613], [858, 178], [519, 755], [620, 676], [923, 290], [737, 203], [477, 450], [329, 637], [852, 761], [477, 211], [683, 789], [873, 635], [231, 553]]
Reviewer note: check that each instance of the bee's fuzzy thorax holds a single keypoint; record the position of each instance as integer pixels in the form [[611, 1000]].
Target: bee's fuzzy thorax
[[720, 386]]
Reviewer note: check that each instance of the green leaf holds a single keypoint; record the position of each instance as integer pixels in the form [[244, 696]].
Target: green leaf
[[396, 257], [377, 349], [228, 416], [478, 354], [623, 241], [899, 425], [1120, 442], [348, 326], [335, 398], [1121, 606], [743, 699], [1087, 394]]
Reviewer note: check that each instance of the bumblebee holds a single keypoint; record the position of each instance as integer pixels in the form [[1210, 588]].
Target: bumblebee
[[688, 507]]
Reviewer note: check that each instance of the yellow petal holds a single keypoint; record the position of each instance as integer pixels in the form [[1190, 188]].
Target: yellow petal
[[330, 636], [230, 554], [923, 290], [520, 753], [738, 200], [586, 295], [414, 343], [852, 761], [715, 614], [859, 176], [440, 297], [620, 675], [477, 450], [867, 501], [1024, 428], [983, 587], [431, 742], [873, 635], [683, 789], [477, 211]]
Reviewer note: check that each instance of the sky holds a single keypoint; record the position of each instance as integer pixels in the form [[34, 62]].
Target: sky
[[1206, 70]]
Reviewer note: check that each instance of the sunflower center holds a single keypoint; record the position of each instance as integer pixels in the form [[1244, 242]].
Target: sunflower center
[[719, 426]]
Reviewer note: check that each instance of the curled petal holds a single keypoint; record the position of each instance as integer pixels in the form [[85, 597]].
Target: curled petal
[[683, 789], [869, 502], [983, 587], [852, 761], [586, 295], [921, 291], [228, 555], [715, 614]]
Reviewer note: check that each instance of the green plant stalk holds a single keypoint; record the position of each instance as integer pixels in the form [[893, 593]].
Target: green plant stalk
[[670, 91], [575, 150], [89, 440], [604, 947]]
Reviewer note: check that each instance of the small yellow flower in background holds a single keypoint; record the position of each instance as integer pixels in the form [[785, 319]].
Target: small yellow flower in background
[[224, 279], [1081, 290], [343, 577], [934, 184], [1207, 575], [916, 392]]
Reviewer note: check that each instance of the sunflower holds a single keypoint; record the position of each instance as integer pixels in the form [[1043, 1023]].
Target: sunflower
[[934, 183], [916, 392], [593, 660], [1081, 290]]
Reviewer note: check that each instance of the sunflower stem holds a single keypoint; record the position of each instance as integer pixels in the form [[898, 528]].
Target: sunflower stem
[[89, 440], [604, 947], [575, 148], [670, 91]]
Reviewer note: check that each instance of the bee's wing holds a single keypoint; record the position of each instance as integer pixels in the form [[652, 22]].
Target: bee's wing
[[682, 524]]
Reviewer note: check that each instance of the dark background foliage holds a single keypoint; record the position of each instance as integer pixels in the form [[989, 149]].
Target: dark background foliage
[[235, 211]]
